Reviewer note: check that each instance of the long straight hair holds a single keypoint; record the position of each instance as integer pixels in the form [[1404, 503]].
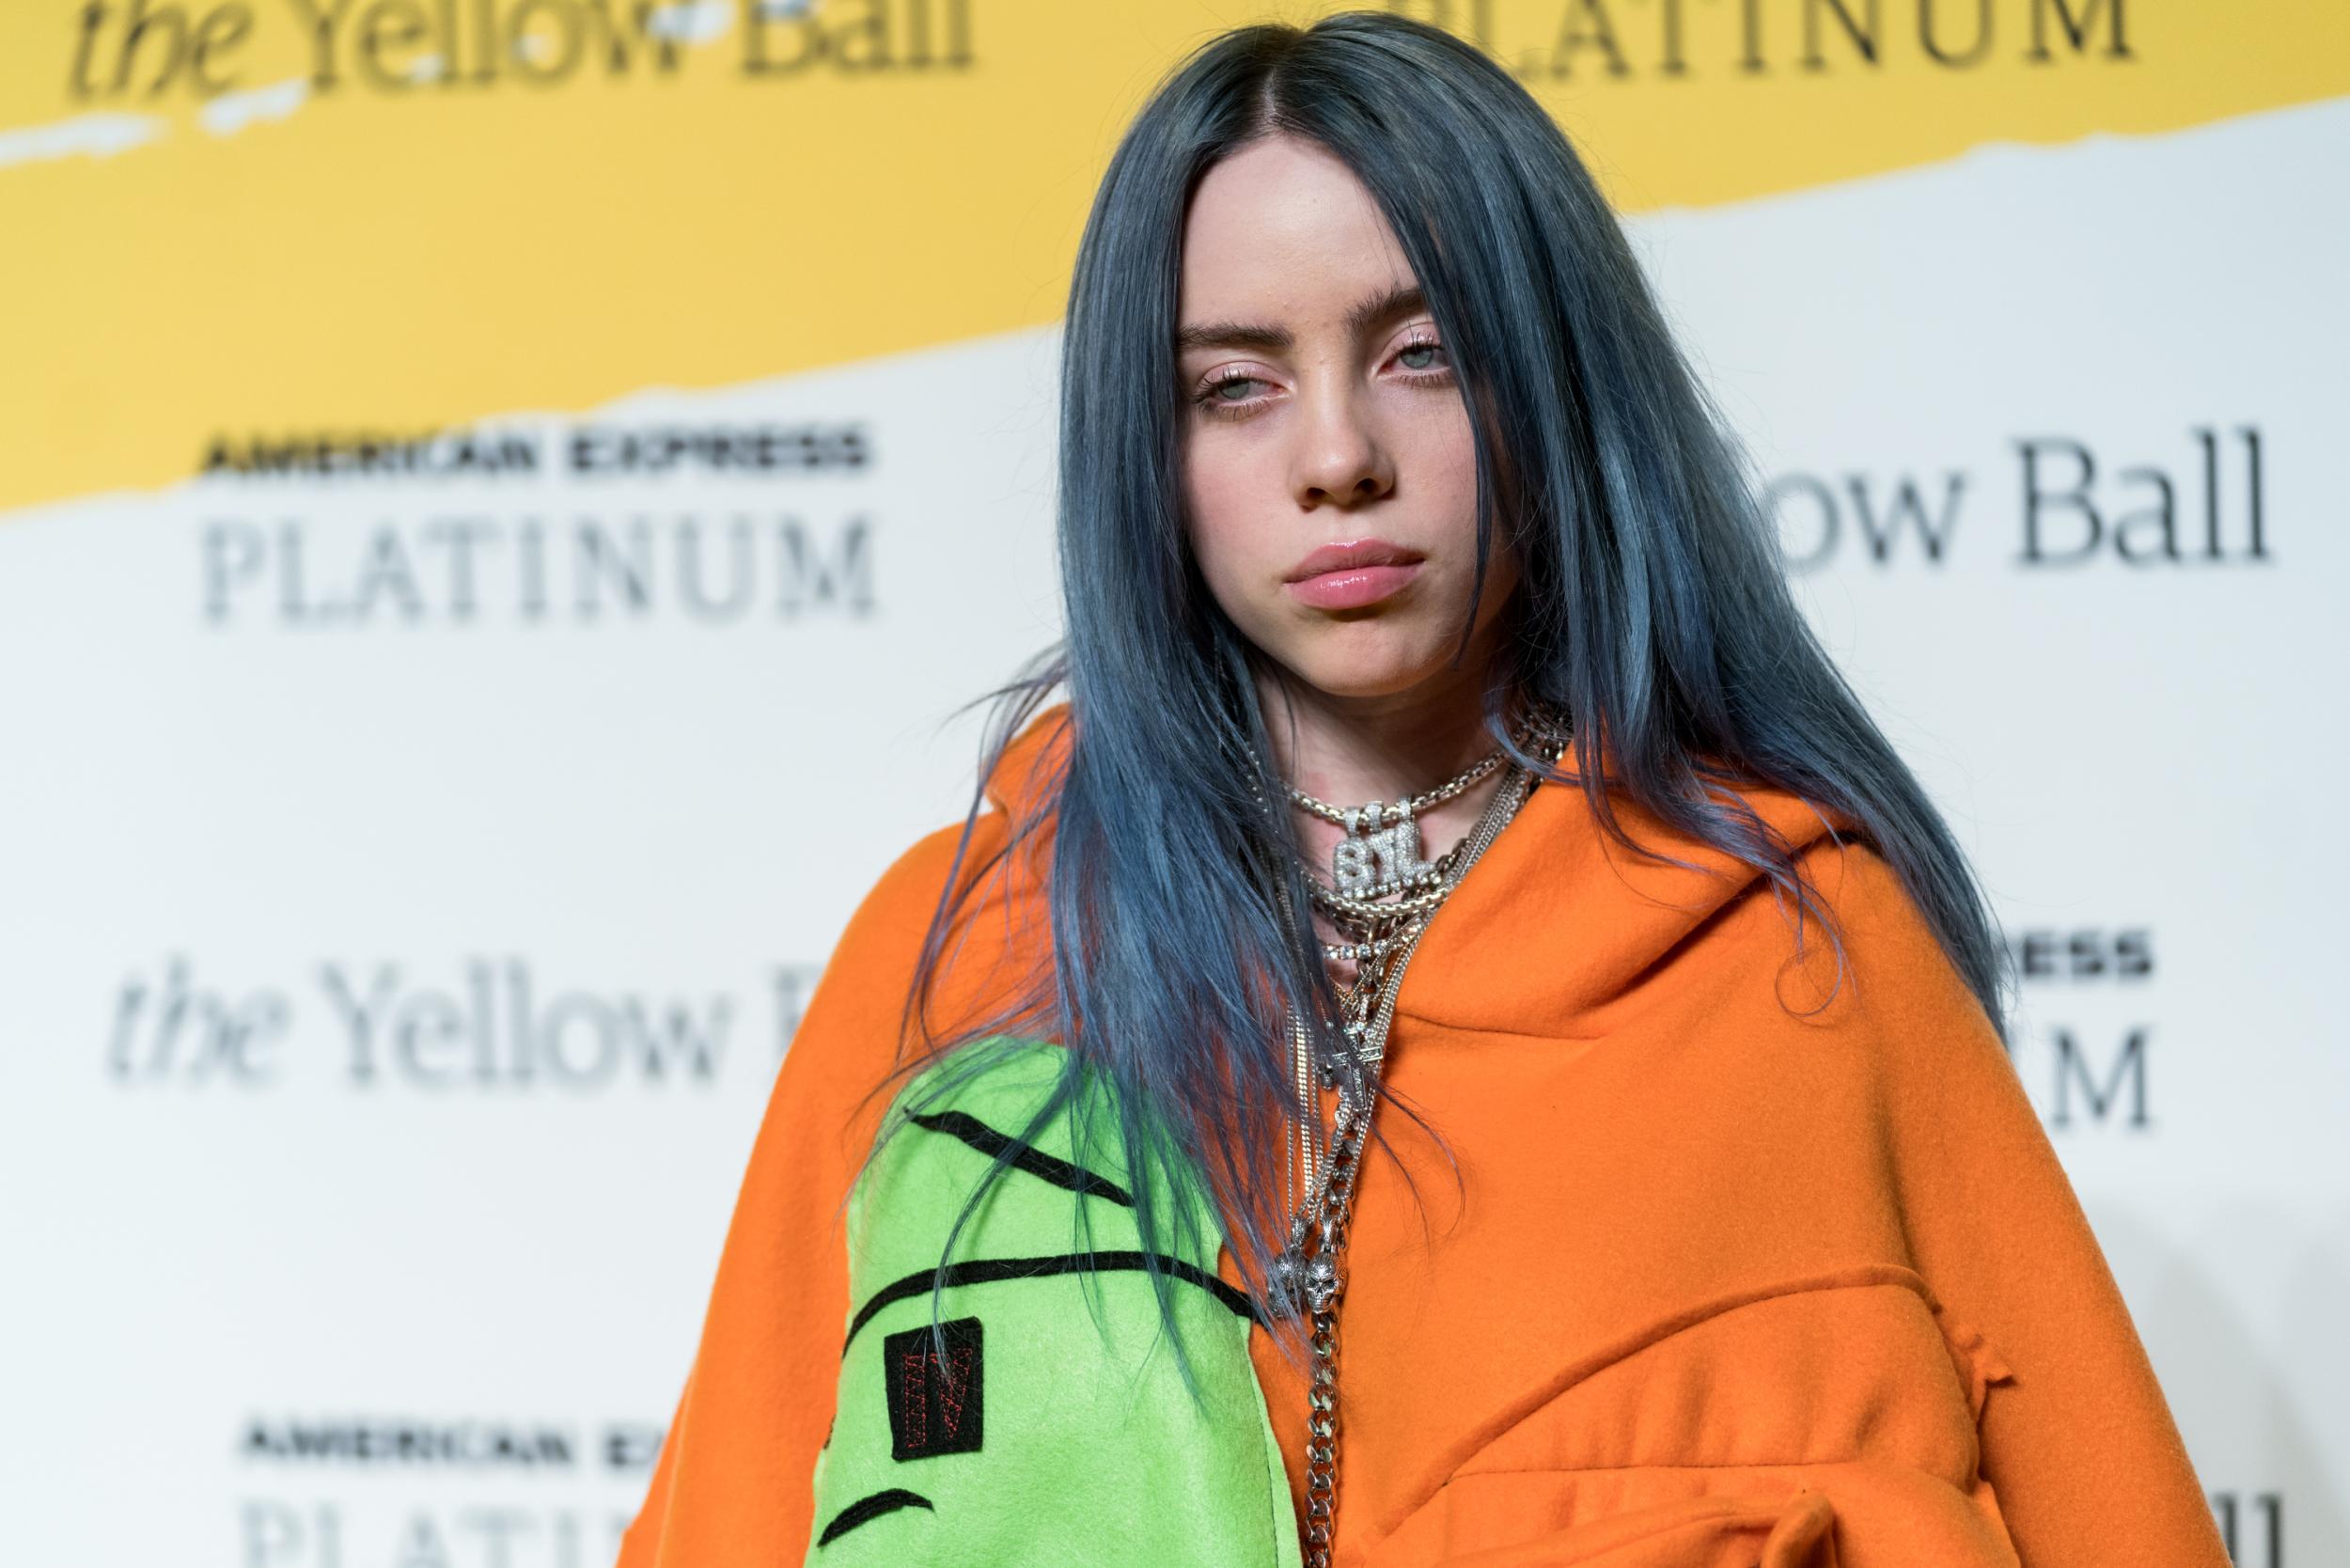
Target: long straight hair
[[1653, 608]]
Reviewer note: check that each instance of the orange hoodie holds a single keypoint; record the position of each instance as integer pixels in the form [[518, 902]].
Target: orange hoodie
[[1718, 1283]]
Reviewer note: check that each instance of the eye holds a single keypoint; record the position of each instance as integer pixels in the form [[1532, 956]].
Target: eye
[[1212, 399], [1424, 367], [1423, 360]]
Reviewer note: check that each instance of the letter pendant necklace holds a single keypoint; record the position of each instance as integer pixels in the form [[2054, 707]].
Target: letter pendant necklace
[[1378, 858], [1380, 853]]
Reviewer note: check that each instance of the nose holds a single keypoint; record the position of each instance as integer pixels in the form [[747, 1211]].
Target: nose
[[1338, 458]]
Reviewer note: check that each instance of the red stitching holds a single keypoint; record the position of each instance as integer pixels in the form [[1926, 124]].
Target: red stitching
[[916, 1373], [951, 1387]]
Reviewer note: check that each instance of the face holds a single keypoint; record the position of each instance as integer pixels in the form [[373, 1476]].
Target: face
[[1327, 457]]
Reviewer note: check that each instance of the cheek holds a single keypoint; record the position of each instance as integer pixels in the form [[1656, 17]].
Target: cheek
[[1224, 502], [1448, 455]]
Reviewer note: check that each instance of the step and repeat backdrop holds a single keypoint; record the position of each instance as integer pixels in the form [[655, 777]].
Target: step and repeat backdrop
[[501, 502]]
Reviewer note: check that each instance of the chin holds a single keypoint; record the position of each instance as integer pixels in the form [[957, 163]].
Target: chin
[[1344, 667]]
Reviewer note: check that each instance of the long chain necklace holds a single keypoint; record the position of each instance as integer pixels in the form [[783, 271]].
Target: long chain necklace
[[1380, 938]]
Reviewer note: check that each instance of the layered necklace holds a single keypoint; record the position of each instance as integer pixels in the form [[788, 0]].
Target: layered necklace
[[1379, 897]]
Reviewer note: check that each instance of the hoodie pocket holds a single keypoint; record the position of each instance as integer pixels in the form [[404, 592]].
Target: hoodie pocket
[[1835, 1415]]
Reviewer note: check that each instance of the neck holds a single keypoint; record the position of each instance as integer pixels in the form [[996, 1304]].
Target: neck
[[1347, 750]]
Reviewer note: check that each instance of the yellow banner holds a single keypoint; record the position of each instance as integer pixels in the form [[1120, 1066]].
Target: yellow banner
[[237, 217]]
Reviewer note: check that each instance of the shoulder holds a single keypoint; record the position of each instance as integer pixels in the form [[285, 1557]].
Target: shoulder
[[1894, 969], [1881, 1006], [987, 872], [978, 889], [975, 876], [1833, 942], [887, 924], [864, 1023], [1848, 934]]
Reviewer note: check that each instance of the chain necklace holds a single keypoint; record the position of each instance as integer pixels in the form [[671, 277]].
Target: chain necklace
[[1380, 852], [1380, 937]]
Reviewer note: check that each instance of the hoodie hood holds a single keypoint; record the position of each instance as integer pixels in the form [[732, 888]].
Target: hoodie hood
[[1589, 925], [1558, 921]]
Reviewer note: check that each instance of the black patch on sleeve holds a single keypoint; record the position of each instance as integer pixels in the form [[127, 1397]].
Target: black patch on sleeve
[[934, 1402]]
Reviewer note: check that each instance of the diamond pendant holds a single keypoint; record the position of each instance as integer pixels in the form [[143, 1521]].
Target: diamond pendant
[[1380, 852], [1351, 866]]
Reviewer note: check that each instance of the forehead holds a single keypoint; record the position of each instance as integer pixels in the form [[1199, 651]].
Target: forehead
[[1282, 229]]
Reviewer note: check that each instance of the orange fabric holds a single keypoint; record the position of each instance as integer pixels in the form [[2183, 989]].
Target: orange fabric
[[1718, 1284]]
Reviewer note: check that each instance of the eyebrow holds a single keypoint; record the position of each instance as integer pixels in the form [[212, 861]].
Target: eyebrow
[[1253, 335]]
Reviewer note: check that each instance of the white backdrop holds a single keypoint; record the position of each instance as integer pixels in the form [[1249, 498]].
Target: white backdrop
[[405, 903]]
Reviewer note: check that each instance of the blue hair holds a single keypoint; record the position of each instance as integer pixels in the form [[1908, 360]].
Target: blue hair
[[1653, 607]]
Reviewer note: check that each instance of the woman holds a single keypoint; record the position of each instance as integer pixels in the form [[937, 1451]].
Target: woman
[[1681, 1209]]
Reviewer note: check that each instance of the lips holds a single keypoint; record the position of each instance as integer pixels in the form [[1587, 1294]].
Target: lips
[[1354, 574], [1354, 553]]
